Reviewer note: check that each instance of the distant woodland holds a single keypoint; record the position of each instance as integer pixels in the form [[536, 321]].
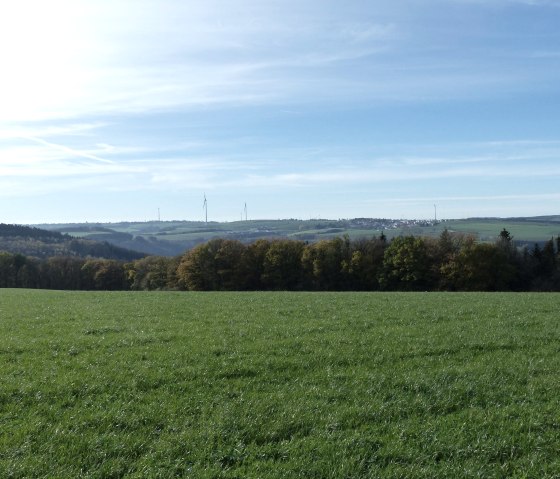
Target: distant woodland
[[452, 262], [39, 243]]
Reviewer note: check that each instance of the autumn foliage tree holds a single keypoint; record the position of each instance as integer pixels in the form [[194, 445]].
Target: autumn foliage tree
[[212, 266]]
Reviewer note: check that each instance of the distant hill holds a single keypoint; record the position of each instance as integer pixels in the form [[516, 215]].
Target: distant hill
[[40, 243], [171, 238]]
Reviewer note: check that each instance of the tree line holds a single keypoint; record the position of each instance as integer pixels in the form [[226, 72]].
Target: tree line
[[452, 262]]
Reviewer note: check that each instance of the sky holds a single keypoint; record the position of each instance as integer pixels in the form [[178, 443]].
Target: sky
[[113, 110]]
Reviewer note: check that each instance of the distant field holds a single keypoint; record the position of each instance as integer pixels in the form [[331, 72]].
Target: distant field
[[279, 385], [521, 230]]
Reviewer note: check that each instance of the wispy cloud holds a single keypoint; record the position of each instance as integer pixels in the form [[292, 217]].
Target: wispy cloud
[[177, 55], [436, 199], [71, 152], [49, 130], [50, 160]]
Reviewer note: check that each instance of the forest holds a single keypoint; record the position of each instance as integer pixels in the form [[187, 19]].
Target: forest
[[40, 243], [452, 262]]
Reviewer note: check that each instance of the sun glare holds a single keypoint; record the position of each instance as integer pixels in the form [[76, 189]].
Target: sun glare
[[41, 53]]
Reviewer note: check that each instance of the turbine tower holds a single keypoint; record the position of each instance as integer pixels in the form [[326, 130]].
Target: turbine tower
[[245, 211], [205, 208]]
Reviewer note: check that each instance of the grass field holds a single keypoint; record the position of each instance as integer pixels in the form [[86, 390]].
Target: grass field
[[520, 230], [279, 385]]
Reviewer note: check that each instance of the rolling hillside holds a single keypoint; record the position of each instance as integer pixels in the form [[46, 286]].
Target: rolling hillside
[[170, 238], [41, 243]]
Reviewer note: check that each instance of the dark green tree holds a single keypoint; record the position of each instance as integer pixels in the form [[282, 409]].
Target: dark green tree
[[544, 267], [252, 265], [149, 273], [480, 267], [327, 265], [104, 275], [63, 272], [406, 265], [282, 268], [366, 263]]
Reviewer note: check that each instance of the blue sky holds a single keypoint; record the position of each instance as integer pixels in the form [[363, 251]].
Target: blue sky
[[111, 109]]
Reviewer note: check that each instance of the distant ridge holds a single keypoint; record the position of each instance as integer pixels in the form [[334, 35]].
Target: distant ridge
[[172, 238], [40, 243]]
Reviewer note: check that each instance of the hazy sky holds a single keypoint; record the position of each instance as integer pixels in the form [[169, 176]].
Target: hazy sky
[[111, 109]]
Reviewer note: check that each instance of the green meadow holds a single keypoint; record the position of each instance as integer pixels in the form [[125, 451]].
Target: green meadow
[[279, 385]]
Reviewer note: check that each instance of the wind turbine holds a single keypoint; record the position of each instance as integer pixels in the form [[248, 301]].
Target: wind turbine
[[205, 208], [245, 211]]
